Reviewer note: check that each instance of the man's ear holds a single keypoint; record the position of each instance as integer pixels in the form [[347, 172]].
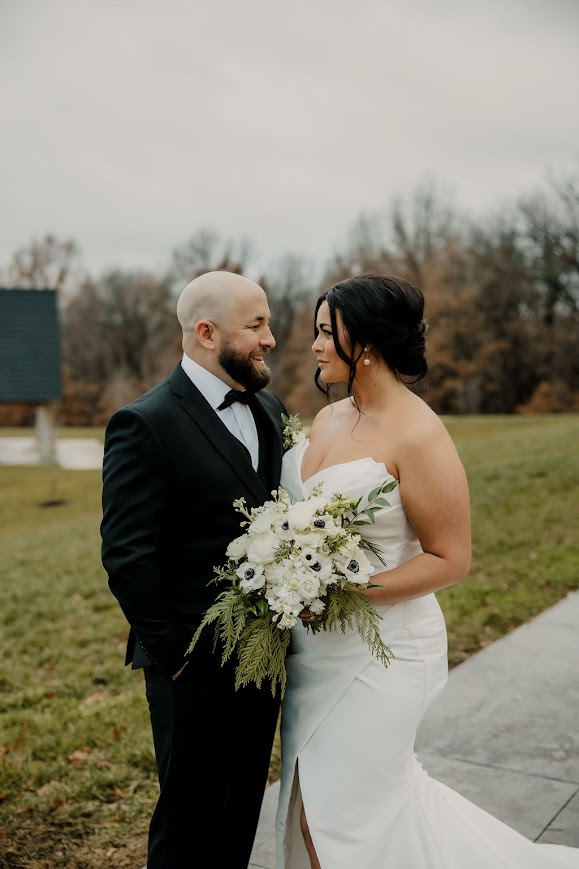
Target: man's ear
[[204, 332]]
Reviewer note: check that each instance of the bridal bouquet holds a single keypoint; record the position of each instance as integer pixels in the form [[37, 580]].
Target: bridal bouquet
[[307, 554]]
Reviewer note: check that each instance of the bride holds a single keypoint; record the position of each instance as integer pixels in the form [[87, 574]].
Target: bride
[[353, 795]]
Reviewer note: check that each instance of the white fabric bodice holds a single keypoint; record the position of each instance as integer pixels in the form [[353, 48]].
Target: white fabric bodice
[[391, 531]]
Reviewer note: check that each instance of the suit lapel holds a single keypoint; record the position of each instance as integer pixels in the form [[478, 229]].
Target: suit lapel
[[272, 419], [216, 432]]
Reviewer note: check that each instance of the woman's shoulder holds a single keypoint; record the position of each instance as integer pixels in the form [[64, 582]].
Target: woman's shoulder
[[331, 414], [422, 433]]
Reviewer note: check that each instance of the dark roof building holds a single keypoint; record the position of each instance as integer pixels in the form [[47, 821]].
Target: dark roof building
[[29, 346]]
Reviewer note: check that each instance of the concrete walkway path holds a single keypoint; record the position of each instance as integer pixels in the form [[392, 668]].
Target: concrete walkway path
[[504, 733]]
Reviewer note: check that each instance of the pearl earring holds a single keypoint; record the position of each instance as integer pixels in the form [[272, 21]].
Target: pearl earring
[[366, 360]]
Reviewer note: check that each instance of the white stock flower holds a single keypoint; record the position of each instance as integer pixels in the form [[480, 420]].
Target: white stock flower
[[237, 548], [285, 597], [317, 606], [278, 571], [287, 621]]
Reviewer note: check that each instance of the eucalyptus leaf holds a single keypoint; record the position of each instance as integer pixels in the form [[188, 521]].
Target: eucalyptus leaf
[[374, 493]]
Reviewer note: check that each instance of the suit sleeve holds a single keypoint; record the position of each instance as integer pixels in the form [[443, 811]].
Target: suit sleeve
[[134, 537]]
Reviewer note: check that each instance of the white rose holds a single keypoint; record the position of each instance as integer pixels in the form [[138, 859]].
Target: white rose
[[237, 548], [262, 549], [309, 587], [260, 525]]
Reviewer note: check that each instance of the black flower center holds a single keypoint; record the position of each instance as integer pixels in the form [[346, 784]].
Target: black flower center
[[317, 566], [285, 526], [353, 566], [320, 523], [249, 573]]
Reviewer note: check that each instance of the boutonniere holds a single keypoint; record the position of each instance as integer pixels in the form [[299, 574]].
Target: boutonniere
[[291, 431]]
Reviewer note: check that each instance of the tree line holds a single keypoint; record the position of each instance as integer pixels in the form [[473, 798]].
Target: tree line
[[501, 293]]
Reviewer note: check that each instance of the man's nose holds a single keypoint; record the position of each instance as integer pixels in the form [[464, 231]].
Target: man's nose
[[268, 340]]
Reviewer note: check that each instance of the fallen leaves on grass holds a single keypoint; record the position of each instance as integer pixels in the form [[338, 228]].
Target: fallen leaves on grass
[[79, 756]]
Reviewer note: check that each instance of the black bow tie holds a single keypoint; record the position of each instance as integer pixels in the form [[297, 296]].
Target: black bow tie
[[245, 397]]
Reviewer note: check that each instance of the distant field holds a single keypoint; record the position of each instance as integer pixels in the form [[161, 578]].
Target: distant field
[[62, 432], [77, 774]]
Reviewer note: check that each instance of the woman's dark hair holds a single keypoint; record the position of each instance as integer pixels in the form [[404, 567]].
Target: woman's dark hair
[[385, 312]]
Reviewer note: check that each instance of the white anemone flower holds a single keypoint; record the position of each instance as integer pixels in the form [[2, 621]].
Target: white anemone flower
[[301, 514], [251, 575], [325, 525], [356, 568]]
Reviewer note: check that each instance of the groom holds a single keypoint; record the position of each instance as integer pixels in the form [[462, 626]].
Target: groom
[[175, 460]]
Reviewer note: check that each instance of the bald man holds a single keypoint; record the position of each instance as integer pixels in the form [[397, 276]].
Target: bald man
[[175, 460]]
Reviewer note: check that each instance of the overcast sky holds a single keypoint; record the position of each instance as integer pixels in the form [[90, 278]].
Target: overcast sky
[[129, 125]]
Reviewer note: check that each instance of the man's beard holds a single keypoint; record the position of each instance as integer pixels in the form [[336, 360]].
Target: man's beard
[[241, 369]]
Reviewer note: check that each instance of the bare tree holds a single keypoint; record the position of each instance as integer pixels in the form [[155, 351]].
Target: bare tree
[[120, 334], [549, 234], [50, 263], [207, 251]]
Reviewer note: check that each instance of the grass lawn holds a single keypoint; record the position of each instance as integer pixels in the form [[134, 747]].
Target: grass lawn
[[77, 772]]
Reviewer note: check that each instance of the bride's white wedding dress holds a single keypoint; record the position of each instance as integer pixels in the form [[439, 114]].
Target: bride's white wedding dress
[[348, 729]]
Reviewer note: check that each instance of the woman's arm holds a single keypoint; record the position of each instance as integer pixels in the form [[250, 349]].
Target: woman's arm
[[434, 493]]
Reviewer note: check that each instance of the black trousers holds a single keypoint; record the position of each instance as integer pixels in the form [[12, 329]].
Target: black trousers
[[213, 746]]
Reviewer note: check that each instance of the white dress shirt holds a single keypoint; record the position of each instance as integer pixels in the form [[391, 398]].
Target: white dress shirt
[[237, 417]]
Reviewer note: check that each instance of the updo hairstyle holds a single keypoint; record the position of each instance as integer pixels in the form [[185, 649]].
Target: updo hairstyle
[[385, 312]]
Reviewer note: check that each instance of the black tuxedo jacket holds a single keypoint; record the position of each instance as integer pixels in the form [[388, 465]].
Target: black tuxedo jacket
[[171, 472]]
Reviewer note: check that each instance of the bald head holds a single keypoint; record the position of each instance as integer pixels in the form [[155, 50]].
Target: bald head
[[225, 316], [214, 296]]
